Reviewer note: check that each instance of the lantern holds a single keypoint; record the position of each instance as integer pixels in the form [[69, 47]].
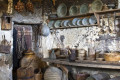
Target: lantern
[[6, 22]]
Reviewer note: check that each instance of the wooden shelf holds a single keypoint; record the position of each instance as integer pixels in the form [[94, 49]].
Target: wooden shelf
[[88, 14], [74, 27], [91, 64]]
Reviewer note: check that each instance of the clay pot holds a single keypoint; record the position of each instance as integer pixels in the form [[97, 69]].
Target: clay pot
[[30, 60], [72, 54]]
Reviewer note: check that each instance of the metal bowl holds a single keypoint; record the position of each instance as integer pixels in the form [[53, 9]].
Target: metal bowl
[[84, 8], [73, 10], [62, 10]]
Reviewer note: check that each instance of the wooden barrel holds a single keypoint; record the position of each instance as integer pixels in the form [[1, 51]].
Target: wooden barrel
[[25, 73]]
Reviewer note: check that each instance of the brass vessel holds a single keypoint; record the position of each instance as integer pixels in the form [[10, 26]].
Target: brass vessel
[[30, 60]]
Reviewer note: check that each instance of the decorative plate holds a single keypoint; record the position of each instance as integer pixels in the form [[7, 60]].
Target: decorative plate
[[92, 20], [62, 23], [97, 5], [85, 21], [66, 23], [84, 8], [51, 24], [73, 10], [74, 21], [62, 10], [57, 24], [79, 22]]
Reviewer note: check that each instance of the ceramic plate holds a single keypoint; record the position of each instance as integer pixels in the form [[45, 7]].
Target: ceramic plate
[[92, 20], [57, 24], [73, 10], [97, 5], [62, 10], [84, 9], [70, 23], [74, 21], [85, 21], [66, 23], [62, 23], [79, 22], [51, 24]]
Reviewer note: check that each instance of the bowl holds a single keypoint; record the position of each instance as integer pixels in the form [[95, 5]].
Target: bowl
[[62, 10], [73, 10]]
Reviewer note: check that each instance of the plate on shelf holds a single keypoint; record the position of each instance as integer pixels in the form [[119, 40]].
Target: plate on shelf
[[85, 21], [73, 10], [65, 23], [79, 22], [57, 24], [84, 8], [70, 23], [92, 20], [62, 10], [74, 21], [62, 23], [97, 5], [51, 24]]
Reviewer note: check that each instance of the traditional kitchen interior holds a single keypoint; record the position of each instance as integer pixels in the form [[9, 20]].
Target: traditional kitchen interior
[[59, 39]]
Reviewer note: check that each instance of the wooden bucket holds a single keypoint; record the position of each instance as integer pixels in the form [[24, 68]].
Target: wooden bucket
[[25, 73]]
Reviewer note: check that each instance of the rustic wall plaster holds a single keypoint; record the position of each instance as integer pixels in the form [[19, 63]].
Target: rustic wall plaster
[[6, 59]]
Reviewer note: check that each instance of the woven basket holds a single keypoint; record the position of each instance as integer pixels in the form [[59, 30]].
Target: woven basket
[[112, 56]]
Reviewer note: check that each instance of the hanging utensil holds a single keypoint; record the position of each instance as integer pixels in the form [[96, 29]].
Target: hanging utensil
[[102, 23], [108, 27], [114, 30]]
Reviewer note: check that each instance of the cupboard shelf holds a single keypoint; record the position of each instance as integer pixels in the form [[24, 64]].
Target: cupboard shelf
[[87, 14], [90, 64], [74, 27]]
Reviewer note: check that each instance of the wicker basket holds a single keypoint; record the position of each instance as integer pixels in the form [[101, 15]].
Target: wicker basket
[[112, 56]]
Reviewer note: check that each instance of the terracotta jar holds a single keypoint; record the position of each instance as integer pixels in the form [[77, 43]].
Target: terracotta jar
[[30, 60]]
